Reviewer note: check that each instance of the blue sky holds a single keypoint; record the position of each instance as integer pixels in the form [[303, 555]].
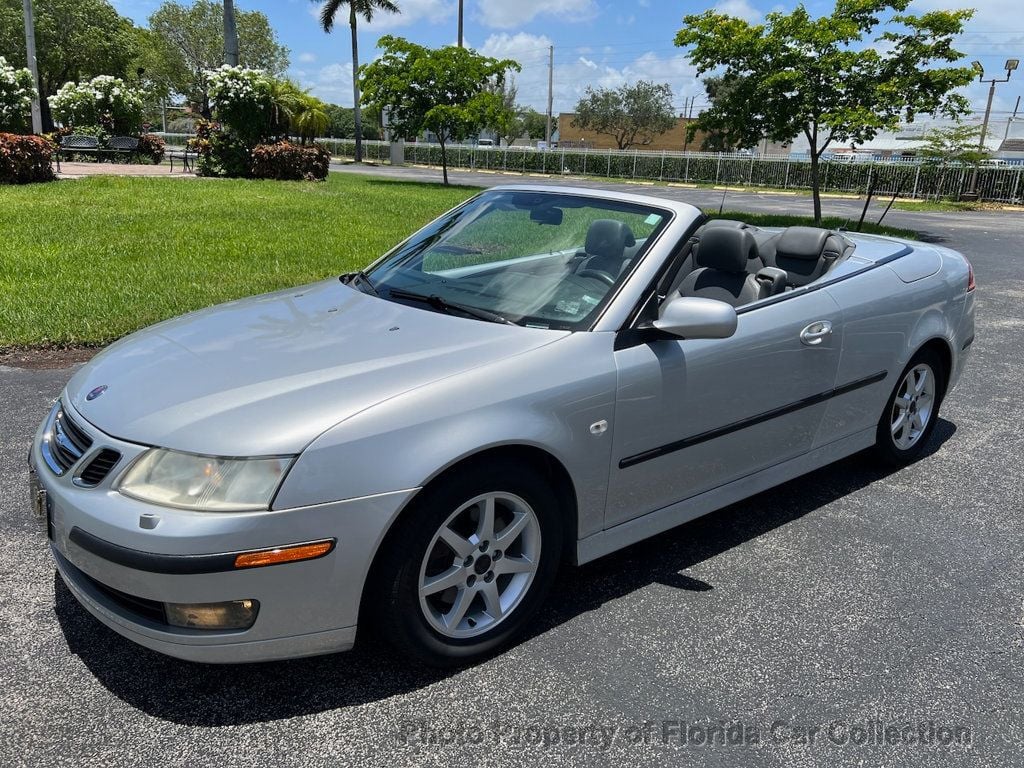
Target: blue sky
[[597, 42]]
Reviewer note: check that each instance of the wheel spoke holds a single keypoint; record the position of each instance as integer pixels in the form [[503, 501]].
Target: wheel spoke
[[459, 607], [920, 381], [492, 600], [916, 421], [453, 577], [899, 423], [485, 527], [460, 546], [513, 565], [511, 531]]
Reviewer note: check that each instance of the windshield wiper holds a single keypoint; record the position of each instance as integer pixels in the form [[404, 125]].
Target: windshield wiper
[[356, 278], [444, 305]]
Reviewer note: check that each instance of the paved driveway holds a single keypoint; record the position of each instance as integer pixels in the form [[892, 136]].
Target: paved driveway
[[845, 602]]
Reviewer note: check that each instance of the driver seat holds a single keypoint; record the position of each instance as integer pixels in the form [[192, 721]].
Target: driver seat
[[721, 270], [605, 247]]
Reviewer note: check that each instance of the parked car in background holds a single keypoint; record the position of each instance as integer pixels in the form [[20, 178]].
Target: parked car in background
[[540, 376]]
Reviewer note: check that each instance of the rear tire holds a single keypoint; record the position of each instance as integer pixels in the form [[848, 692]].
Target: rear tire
[[468, 565], [911, 411]]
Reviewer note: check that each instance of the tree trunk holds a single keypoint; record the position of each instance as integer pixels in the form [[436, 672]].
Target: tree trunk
[[444, 160], [357, 118], [815, 186], [230, 34]]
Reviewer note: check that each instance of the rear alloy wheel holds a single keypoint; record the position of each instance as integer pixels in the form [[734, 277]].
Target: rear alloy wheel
[[911, 412], [468, 565]]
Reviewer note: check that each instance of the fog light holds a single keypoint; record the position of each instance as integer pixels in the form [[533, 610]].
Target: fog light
[[235, 614]]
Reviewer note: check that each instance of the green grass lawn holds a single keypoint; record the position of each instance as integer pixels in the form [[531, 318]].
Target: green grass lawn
[[88, 261]]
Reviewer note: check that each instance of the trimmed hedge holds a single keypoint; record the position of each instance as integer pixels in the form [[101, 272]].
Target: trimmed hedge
[[290, 162], [25, 159]]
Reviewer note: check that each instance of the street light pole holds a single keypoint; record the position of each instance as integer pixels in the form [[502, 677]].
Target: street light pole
[[460, 22], [33, 67], [1010, 66]]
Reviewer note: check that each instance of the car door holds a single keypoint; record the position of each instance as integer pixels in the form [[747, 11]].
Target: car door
[[692, 415]]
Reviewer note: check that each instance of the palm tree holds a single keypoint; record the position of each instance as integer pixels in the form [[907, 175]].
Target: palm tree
[[356, 8]]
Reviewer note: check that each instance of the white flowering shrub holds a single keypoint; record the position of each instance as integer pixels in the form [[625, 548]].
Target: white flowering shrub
[[243, 101], [104, 101], [16, 94]]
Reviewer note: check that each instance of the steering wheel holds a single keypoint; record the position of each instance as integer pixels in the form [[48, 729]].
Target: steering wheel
[[597, 274]]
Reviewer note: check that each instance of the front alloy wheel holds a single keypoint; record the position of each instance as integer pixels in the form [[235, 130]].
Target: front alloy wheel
[[468, 564], [480, 565]]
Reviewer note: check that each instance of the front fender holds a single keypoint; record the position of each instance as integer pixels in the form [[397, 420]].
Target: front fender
[[547, 399]]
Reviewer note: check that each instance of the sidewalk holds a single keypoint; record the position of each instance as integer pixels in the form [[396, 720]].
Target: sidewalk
[[78, 170]]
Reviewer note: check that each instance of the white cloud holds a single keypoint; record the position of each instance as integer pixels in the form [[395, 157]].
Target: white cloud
[[333, 84], [307, 58], [573, 76], [505, 14], [740, 9], [414, 12]]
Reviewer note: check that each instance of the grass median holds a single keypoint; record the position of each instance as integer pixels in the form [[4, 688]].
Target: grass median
[[85, 262]]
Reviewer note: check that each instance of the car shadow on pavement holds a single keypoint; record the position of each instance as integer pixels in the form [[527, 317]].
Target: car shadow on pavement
[[215, 695]]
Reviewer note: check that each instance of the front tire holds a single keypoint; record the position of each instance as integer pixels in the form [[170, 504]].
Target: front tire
[[911, 411], [469, 564]]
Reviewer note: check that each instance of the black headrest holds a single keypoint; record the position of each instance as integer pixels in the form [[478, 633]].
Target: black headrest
[[801, 242], [608, 237], [729, 223], [726, 249]]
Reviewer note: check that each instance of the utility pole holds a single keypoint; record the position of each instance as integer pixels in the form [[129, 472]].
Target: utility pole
[[688, 114], [1009, 122], [461, 3], [1010, 66], [551, 98], [230, 34], [33, 67]]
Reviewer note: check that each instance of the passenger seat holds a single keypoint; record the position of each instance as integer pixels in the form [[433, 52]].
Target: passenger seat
[[721, 273]]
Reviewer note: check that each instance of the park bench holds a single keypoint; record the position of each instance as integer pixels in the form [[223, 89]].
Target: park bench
[[76, 144], [187, 157], [121, 145]]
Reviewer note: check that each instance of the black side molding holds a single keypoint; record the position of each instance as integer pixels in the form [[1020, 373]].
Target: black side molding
[[735, 426], [967, 343], [152, 562]]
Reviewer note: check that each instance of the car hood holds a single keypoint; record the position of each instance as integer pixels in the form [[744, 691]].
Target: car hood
[[268, 374]]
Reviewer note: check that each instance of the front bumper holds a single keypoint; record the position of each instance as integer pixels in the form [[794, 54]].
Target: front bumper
[[306, 608]]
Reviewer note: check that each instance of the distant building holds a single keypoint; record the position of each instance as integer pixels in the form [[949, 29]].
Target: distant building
[[673, 140]]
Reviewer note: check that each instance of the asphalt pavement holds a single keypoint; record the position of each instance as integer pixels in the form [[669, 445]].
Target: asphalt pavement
[[852, 617]]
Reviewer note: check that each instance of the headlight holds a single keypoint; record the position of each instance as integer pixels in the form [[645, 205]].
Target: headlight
[[204, 483]]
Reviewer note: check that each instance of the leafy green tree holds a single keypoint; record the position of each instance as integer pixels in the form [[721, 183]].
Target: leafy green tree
[[630, 114], [188, 41], [718, 135], [75, 40], [356, 8], [954, 144], [450, 91], [796, 74]]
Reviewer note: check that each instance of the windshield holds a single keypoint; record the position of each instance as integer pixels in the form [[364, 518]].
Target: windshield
[[546, 260]]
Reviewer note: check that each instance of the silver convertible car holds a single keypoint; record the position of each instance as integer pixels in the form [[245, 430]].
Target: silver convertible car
[[540, 376]]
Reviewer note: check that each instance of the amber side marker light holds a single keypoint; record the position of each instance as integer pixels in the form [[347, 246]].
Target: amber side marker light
[[289, 554]]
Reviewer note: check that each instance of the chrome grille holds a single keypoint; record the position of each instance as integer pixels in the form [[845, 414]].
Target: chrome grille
[[64, 443]]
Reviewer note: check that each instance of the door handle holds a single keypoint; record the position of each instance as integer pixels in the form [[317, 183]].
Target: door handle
[[816, 332]]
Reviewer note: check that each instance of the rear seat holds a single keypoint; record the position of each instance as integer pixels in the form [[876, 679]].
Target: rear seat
[[804, 253]]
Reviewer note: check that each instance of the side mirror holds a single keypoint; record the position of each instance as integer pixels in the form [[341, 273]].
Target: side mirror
[[691, 317]]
